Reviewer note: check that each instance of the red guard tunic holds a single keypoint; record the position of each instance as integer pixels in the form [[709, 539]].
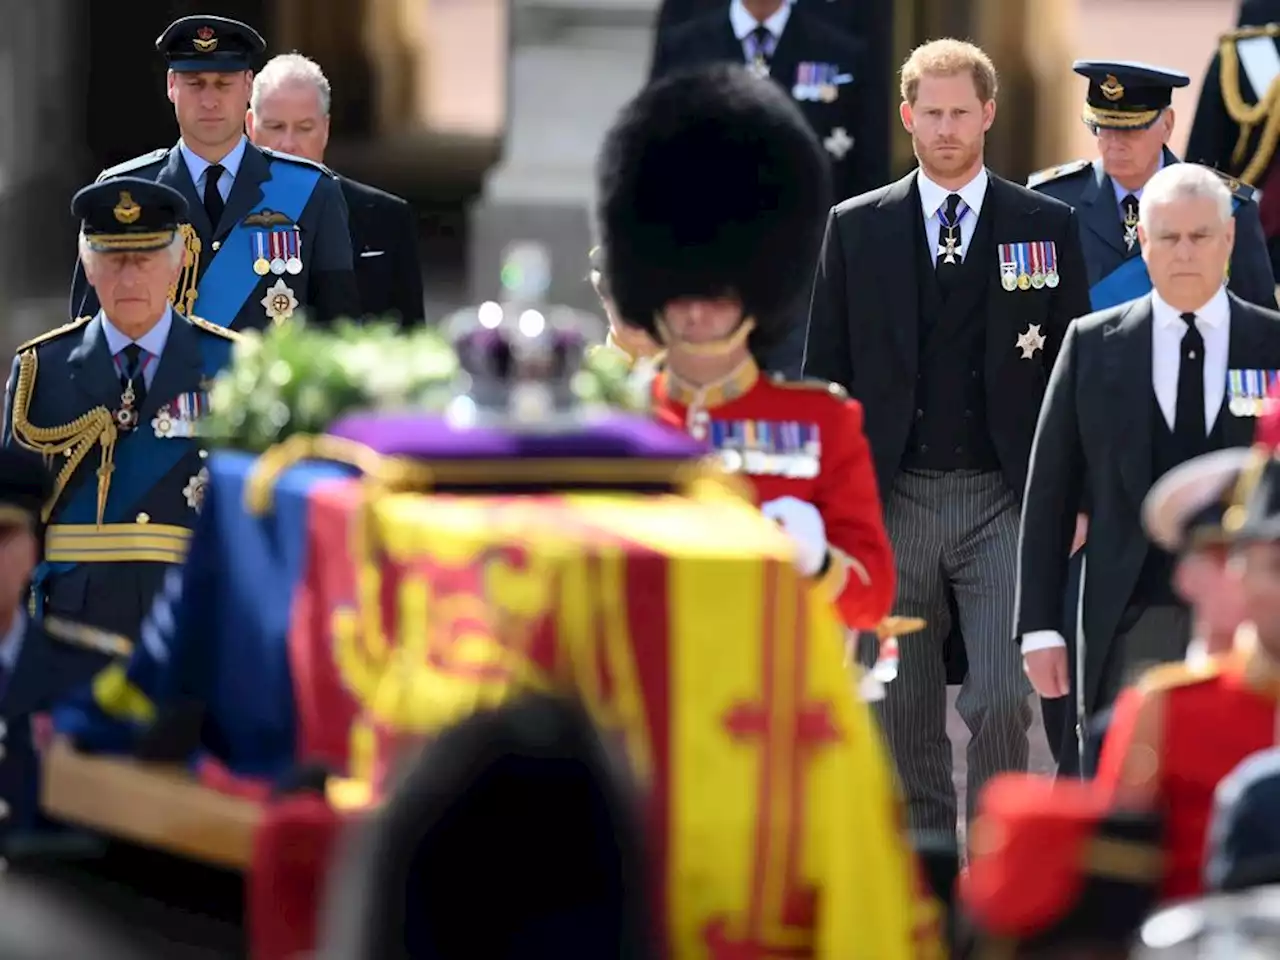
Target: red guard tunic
[[799, 439], [1176, 734]]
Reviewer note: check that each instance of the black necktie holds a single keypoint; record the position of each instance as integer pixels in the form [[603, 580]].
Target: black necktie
[[1188, 420], [762, 40], [133, 374], [949, 254], [212, 198], [1129, 211]]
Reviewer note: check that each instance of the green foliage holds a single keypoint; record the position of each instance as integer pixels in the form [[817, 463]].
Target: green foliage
[[297, 379], [292, 379]]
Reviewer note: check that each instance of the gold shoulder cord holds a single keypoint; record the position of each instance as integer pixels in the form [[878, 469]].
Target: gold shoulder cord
[[1246, 116], [74, 439], [183, 293]]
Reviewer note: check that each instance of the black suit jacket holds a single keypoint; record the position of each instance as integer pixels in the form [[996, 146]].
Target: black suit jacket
[[384, 242], [859, 109], [1094, 440], [864, 319], [326, 287]]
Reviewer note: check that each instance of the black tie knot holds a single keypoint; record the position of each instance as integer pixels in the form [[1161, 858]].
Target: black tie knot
[[951, 209], [762, 35], [132, 360]]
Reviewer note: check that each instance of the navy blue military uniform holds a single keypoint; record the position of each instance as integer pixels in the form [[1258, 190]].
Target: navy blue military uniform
[[39, 660], [1129, 96], [277, 244], [116, 419], [1231, 129], [1132, 96]]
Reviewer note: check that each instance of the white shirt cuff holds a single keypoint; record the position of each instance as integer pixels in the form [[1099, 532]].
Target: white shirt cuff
[[1041, 640]]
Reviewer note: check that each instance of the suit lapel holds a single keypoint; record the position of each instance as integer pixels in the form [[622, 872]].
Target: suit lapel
[[92, 369], [730, 46], [246, 189], [1126, 353], [786, 56], [901, 220], [175, 174], [179, 371], [1246, 345], [1100, 213]]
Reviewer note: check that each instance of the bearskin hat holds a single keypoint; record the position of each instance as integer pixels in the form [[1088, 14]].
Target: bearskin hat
[[712, 183], [516, 834]]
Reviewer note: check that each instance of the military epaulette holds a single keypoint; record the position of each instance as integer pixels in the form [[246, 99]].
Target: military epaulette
[[86, 637], [53, 334], [1239, 189], [1171, 676], [291, 158], [810, 383], [201, 323], [1055, 173], [155, 156]]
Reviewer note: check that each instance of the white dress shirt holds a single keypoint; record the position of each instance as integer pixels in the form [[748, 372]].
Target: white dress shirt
[[1213, 320], [932, 198], [197, 166], [744, 24]]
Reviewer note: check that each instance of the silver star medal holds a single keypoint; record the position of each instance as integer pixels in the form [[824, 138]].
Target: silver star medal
[[949, 249], [758, 68], [1031, 341], [839, 143]]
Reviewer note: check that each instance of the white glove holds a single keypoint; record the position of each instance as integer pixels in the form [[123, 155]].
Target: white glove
[[804, 525]]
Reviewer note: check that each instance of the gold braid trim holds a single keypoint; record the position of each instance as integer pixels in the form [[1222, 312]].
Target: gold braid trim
[[74, 439], [1246, 116], [183, 293], [274, 463]]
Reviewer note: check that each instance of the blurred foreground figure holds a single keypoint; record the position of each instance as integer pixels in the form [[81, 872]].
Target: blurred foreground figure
[[515, 834], [1185, 727], [1054, 873]]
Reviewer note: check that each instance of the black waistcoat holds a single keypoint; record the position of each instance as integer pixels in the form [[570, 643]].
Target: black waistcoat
[[950, 430], [1155, 581]]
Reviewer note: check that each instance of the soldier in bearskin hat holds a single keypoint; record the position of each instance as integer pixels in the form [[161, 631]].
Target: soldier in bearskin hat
[[710, 183]]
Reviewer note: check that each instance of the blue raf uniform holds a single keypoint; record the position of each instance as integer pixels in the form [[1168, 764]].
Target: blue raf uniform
[[39, 660], [116, 419], [1132, 96], [268, 239]]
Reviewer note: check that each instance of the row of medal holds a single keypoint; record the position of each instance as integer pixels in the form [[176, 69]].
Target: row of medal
[[1247, 391], [1029, 265], [277, 251], [819, 82], [767, 448]]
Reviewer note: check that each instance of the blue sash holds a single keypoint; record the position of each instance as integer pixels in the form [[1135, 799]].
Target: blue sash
[[141, 460], [230, 279], [1129, 281]]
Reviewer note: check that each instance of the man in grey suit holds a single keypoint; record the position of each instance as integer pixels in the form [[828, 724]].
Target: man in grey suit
[[1137, 390]]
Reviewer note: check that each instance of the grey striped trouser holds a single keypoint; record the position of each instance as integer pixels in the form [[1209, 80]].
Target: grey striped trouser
[[958, 532]]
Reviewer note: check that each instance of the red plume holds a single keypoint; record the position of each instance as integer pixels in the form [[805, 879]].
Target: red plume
[[1268, 433]]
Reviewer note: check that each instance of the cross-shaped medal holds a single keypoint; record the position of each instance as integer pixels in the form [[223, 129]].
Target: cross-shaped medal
[[949, 249]]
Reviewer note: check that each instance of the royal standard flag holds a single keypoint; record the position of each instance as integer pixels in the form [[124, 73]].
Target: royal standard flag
[[681, 622]]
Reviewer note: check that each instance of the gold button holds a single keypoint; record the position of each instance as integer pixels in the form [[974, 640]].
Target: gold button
[[143, 518], [216, 245]]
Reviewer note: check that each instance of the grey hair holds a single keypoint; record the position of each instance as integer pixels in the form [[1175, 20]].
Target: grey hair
[[290, 68], [177, 248], [1184, 181]]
